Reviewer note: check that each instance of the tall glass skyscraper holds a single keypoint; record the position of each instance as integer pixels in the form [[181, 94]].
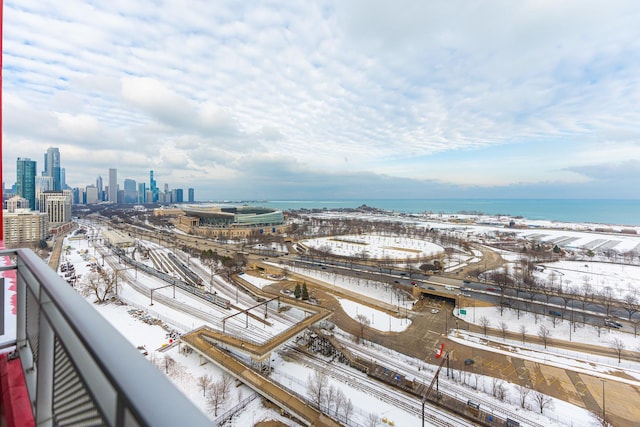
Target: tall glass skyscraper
[[99, 187], [153, 188], [52, 167], [26, 171]]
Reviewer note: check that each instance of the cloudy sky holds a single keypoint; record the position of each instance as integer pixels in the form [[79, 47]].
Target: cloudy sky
[[336, 99]]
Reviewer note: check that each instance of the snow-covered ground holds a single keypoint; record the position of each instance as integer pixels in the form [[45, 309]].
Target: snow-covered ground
[[186, 370], [295, 376], [375, 246]]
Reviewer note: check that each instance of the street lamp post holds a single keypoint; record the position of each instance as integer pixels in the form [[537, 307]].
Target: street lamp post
[[604, 412]]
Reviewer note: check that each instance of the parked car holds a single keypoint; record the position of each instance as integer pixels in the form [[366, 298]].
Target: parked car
[[491, 289], [431, 288], [555, 313], [469, 362], [435, 311], [612, 323]]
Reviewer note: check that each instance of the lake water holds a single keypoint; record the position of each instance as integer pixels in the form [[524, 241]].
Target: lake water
[[620, 212]]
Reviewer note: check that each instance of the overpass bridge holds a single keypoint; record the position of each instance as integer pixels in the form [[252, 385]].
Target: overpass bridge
[[219, 348]]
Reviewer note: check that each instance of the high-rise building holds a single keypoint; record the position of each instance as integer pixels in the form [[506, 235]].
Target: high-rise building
[[52, 167], [177, 195], [57, 205], [26, 180], [77, 195], [63, 179], [130, 192], [153, 188], [100, 188], [142, 193], [191, 196], [91, 194], [113, 185], [43, 183]]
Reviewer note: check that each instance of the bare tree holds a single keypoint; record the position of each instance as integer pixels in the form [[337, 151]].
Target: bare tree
[[363, 321], [373, 420], [485, 322], [226, 382], [598, 325], [504, 327], [498, 389], [630, 304], [523, 392], [330, 397], [339, 401], [545, 334], [204, 382], [618, 345], [542, 400], [347, 409], [214, 397], [99, 285], [169, 364], [635, 324], [523, 332], [317, 384]]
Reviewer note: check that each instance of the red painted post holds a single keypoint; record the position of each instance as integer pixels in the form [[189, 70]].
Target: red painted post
[[1, 177]]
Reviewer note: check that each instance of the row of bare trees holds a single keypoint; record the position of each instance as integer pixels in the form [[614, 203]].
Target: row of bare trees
[[527, 286], [216, 392], [328, 398]]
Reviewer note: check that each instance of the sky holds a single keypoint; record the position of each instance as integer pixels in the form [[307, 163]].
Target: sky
[[329, 99]]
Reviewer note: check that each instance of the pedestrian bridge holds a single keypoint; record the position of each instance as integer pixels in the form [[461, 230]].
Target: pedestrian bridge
[[218, 348]]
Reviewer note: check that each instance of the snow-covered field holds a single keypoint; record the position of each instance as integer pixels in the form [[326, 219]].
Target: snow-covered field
[[295, 376], [186, 370], [375, 247]]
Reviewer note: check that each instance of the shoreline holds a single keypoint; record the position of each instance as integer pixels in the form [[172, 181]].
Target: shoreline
[[606, 212]]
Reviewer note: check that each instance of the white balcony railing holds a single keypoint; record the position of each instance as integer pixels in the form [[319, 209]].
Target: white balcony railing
[[78, 369]]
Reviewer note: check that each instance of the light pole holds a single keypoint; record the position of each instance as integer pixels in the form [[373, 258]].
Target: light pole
[[604, 412], [118, 270]]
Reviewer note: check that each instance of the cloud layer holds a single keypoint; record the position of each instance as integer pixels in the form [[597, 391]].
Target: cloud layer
[[330, 99]]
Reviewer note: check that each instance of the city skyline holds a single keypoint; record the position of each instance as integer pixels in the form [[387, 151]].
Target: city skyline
[[29, 185], [331, 99]]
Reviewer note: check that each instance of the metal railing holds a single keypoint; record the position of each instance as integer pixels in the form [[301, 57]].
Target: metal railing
[[78, 369]]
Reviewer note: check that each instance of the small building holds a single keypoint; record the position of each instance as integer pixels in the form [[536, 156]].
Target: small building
[[117, 238]]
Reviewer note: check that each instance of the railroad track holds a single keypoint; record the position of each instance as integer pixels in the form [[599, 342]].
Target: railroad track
[[355, 379], [452, 389]]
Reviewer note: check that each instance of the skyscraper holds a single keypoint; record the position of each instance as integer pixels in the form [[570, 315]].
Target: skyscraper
[[26, 180], [130, 192], [191, 195], [52, 167], [153, 188], [142, 193], [113, 185], [99, 187]]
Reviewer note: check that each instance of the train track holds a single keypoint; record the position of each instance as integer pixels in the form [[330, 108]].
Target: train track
[[359, 381], [452, 389]]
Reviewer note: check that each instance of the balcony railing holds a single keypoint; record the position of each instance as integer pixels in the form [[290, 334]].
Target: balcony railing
[[78, 369]]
